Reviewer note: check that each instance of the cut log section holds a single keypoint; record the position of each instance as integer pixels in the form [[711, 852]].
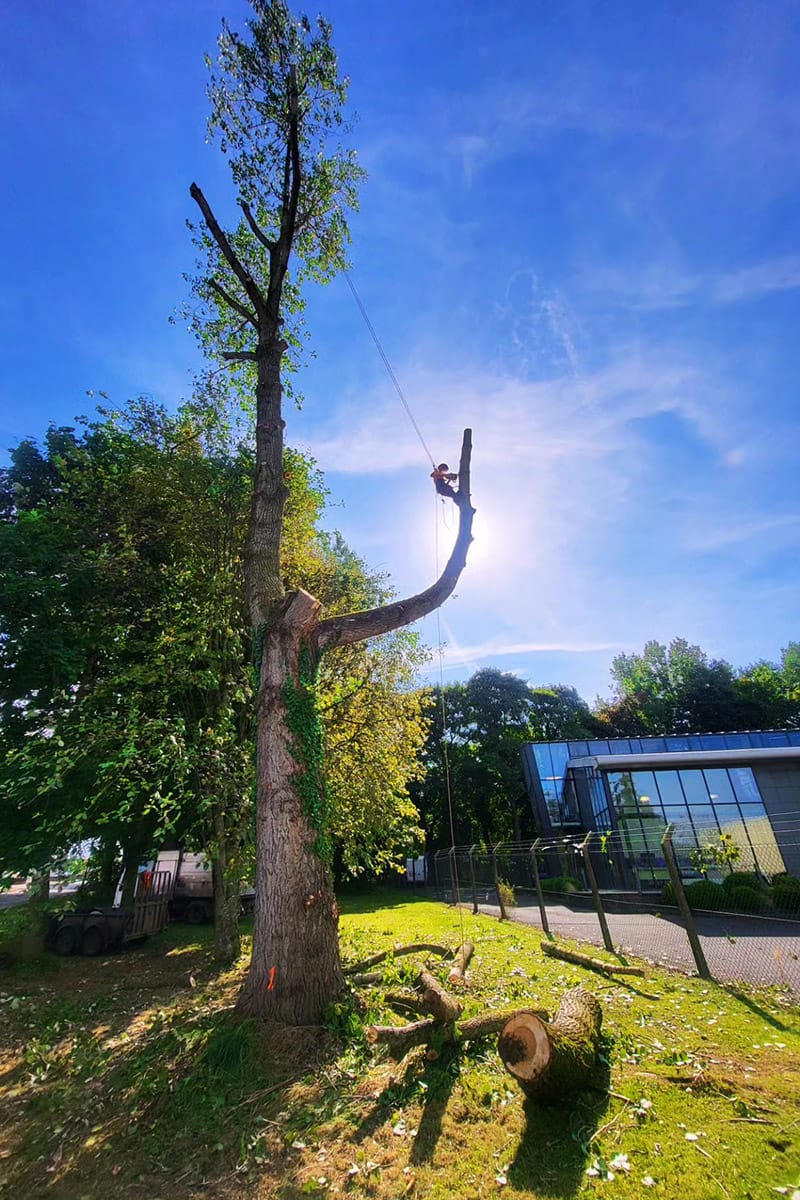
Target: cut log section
[[584, 960], [552, 1060], [457, 976], [398, 952]]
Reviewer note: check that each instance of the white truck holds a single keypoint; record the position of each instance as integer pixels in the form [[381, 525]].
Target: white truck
[[192, 888]]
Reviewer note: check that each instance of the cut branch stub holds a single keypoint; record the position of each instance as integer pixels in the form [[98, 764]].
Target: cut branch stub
[[458, 970], [553, 1060], [438, 1002]]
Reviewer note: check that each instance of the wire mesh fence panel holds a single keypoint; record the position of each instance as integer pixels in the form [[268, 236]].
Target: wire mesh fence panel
[[744, 907]]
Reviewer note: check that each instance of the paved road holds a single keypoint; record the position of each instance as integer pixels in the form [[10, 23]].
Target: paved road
[[738, 949]]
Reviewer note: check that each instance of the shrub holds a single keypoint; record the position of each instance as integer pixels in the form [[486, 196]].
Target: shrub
[[786, 894], [561, 883], [668, 894], [746, 898], [705, 894], [738, 879], [507, 894]]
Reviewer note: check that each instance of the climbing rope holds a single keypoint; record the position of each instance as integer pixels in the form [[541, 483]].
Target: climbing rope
[[423, 443], [388, 366]]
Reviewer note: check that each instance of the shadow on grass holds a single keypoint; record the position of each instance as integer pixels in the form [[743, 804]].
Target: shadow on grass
[[435, 1082], [441, 1078], [556, 1147], [758, 1010]]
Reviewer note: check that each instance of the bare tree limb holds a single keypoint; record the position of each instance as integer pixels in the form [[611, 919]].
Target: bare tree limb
[[240, 355], [355, 627], [249, 316], [219, 236], [267, 243], [398, 952]]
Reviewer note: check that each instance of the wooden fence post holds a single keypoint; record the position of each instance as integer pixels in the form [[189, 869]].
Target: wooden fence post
[[472, 880], [538, 882], [495, 876], [683, 904], [598, 903]]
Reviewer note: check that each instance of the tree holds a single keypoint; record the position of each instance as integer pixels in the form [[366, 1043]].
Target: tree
[[127, 703], [277, 101], [480, 725], [674, 689], [679, 689], [557, 713]]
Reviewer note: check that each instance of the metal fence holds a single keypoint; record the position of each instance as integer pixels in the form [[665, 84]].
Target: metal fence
[[736, 924]]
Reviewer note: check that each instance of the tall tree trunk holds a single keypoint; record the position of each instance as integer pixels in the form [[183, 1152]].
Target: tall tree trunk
[[38, 896], [295, 969], [227, 943]]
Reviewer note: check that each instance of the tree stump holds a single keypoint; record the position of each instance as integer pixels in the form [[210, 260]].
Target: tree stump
[[552, 1060]]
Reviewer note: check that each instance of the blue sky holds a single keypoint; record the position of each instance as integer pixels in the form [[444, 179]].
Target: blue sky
[[579, 236]]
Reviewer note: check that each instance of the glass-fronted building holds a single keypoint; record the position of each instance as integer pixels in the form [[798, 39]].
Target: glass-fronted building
[[744, 784]]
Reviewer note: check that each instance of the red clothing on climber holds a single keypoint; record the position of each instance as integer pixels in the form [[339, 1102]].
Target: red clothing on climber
[[442, 478]]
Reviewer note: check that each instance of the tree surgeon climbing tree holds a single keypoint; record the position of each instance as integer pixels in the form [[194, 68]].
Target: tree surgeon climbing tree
[[277, 103]]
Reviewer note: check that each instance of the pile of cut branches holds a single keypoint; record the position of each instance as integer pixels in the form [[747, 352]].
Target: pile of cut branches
[[549, 1059]]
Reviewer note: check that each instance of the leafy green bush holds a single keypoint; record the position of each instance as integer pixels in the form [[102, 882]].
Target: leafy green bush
[[786, 893], [561, 883], [738, 879], [508, 897], [705, 894], [746, 898]]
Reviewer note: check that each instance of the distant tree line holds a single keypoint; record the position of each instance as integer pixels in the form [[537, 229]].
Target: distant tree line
[[477, 727]]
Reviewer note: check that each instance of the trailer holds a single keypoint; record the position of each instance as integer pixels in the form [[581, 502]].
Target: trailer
[[191, 896], [98, 930]]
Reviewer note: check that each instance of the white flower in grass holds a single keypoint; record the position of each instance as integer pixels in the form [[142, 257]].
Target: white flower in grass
[[691, 1137], [620, 1163], [648, 1181]]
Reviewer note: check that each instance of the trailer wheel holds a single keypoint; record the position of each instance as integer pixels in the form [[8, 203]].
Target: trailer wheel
[[65, 941], [93, 941], [197, 912]]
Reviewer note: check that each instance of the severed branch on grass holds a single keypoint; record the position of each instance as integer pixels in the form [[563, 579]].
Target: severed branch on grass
[[401, 1038], [458, 971], [398, 952], [584, 960]]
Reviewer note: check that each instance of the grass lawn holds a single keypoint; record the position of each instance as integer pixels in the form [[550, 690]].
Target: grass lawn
[[129, 1077]]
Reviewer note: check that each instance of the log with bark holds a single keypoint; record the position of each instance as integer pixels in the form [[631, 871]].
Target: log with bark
[[551, 1060], [401, 1038], [584, 960], [458, 971], [437, 1001]]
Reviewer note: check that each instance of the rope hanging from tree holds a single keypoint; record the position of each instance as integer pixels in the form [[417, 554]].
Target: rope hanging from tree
[[443, 478]]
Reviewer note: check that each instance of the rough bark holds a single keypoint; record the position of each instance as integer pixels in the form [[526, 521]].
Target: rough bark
[[295, 969], [458, 971], [584, 960], [550, 1061]]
